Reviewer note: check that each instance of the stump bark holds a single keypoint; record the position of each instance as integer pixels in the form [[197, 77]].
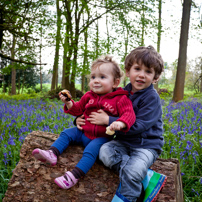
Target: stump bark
[[33, 181]]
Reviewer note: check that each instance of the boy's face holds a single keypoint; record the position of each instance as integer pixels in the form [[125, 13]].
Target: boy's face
[[140, 76]]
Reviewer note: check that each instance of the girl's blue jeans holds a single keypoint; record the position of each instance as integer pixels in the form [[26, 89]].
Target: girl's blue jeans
[[131, 163], [76, 136]]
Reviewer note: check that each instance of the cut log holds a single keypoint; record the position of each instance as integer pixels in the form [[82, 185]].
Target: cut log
[[34, 181]]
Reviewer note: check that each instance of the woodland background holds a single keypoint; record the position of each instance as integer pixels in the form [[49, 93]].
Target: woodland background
[[82, 30], [79, 31]]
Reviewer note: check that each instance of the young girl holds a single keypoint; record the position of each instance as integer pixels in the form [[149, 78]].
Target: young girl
[[104, 95]]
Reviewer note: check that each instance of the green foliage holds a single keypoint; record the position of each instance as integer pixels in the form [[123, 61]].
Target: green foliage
[[21, 96]]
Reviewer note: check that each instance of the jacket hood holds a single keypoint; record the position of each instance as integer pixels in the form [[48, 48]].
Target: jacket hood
[[117, 91], [128, 87]]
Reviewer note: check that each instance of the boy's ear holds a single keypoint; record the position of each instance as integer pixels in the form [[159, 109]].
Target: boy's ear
[[155, 80], [116, 83]]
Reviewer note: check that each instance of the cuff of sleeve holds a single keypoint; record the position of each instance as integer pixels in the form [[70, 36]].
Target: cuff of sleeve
[[74, 122], [65, 108], [112, 119]]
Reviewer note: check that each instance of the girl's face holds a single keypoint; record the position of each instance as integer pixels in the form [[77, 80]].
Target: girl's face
[[102, 80]]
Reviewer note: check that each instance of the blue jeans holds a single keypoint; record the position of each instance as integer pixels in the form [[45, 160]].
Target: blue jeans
[[131, 163], [76, 136]]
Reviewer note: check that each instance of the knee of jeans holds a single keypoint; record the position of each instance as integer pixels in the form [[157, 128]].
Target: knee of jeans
[[104, 155], [133, 174]]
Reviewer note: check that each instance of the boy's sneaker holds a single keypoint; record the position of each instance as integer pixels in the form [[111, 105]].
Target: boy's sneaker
[[153, 184], [67, 181], [46, 156], [119, 197]]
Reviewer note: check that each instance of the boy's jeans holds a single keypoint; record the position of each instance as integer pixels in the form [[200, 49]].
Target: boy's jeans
[[131, 163]]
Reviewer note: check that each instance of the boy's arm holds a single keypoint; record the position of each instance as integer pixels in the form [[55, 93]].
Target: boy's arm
[[147, 115]]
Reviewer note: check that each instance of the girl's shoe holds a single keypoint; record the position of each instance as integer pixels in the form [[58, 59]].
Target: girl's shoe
[[46, 156], [67, 181]]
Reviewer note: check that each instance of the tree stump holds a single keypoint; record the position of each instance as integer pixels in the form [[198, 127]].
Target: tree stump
[[34, 181]]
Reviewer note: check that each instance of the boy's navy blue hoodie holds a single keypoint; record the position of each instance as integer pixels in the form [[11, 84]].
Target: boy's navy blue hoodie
[[147, 131]]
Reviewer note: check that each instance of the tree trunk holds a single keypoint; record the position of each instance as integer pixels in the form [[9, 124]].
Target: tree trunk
[[68, 47], [97, 41], [13, 77], [32, 180], [65, 74], [57, 48], [75, 50], [41, 87], [159, 33], [201, 78], [85, 61], [108, 35], [4, 85], [143, 25], [182, 59], [23, 82]]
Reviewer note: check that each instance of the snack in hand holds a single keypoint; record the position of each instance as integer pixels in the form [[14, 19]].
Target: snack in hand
[[67, 94], [109, 132]]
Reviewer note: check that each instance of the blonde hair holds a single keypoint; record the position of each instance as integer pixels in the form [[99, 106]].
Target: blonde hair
[[116, 71]]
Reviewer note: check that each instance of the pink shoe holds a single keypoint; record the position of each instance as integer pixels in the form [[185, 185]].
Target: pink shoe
[[67, 181], [46, 156]]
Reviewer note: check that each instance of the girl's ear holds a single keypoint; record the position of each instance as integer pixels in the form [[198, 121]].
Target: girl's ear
[[116, 83], [127, 73]]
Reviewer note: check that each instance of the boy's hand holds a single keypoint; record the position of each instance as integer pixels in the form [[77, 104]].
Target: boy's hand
[[99, 118], [69, 104], [117, 125], [80, 121]]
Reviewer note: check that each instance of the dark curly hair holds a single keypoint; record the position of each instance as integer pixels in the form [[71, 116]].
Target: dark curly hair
[[147, 56]]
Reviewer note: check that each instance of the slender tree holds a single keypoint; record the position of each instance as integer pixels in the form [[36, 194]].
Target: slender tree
[[13, 78], [54, 82], [182, 59], [159, 32]]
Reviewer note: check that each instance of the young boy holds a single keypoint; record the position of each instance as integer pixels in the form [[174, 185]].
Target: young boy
[[132, 153]]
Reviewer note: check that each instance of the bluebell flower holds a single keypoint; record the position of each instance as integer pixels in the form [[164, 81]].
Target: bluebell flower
[[11, 141], [195, 191]]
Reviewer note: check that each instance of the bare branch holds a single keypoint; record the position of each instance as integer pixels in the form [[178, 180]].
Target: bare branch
[[20, 61]]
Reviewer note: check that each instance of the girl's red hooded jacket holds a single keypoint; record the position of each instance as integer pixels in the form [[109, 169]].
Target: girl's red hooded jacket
[[115, 104]]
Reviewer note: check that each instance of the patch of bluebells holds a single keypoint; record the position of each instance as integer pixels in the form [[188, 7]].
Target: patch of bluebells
[[19, 118], [182, 134], [183, 140]]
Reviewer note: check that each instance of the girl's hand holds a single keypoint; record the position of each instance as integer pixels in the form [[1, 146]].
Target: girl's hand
[[99, 118], [80, 121], [69, 104], [117, 125]]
